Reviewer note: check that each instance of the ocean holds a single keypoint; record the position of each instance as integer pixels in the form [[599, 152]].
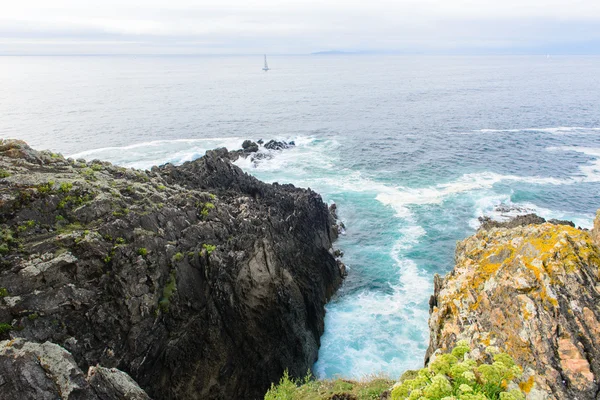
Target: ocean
[[412, 149]]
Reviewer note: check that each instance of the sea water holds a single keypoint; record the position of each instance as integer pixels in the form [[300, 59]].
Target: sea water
[[412, 149]]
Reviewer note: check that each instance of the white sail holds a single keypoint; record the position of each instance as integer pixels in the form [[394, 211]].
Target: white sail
[[266, 67]]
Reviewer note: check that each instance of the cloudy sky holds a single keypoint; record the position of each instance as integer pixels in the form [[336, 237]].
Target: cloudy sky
[[298, 27]]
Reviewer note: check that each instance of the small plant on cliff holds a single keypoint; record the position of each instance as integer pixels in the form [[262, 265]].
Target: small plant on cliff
[[3, 292], [453, 376], [142, 251], [178, 257], [5, 328], [4, 174], [45, 188], [209, 248], [168, 291], [65, 187]]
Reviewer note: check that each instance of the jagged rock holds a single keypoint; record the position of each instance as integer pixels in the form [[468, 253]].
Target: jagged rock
[[533, 292], [278, 145], [112, 384], [249, 146], [198, 280], [38, 371], [521, 220]]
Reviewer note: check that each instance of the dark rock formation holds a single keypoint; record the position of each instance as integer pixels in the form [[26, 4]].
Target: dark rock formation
[[46, 371], [198, 280], [249, 146], [521, 220], [278, 145]]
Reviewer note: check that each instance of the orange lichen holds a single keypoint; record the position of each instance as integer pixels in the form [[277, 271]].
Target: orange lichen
[[527, 385]]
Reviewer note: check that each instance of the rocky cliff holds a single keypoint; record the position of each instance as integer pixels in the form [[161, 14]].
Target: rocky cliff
[[532, 291], [198, 280]]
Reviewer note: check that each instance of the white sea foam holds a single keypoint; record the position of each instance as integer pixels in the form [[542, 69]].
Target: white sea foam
[[591, 172], [559, 130], [147, 154]]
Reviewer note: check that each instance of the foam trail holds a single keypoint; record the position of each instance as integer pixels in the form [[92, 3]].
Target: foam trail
[[591, 172], [559, 130], [147, 154]]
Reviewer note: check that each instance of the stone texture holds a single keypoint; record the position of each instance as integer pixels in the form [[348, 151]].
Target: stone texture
[[532, 291], [38, 371]]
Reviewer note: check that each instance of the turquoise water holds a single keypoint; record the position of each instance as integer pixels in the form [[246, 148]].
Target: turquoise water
[[411, 149]]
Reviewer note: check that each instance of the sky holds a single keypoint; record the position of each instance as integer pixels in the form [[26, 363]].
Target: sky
[[299, 27]]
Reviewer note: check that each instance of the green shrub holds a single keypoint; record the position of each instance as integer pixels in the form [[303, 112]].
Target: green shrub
[[66, 187], [4, 174], [142, 251], [5, 328], [26, 225], [178, 257], [209, 248], [120, 240], [33, 316], [88, 174], [45, 188], [206, 209], [370, 388], [3, 292], [168, 291], [454, 376], [285, 390]]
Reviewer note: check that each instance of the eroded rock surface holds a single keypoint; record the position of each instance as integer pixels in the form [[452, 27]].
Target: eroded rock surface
[[532, 291], [198, 280], [40, 371]]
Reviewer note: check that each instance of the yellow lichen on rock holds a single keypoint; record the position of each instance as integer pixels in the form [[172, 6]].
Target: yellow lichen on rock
[[532, 292]]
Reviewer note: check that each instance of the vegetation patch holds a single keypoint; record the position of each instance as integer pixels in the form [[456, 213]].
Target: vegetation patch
[[168, 291], [311, 389], [209, 248], [26, 225], [4, 174], [142, 251], [45, 188], [206, 209], [4, 328], [65, 187], [456, 376]]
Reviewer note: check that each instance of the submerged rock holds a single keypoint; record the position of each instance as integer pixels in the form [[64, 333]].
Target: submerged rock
[[533, 292], [199, 281]]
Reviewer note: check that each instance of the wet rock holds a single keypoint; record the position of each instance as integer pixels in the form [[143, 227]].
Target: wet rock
[[531, 290], [198, 281], [278, 145], [249, 146], [487, 223]]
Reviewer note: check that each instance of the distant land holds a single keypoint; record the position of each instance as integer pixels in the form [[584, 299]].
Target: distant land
[[331, 52]]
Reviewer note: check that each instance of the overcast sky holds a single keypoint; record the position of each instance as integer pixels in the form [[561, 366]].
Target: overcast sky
[[298, 27]]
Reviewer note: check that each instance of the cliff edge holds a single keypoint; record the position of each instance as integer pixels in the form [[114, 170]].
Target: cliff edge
[[199, 281], [533, 292]]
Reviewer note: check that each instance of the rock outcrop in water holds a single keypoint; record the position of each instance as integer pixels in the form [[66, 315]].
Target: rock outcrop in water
[[532, 291], [199, 281]]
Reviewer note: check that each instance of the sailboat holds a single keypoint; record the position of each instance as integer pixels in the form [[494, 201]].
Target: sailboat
[[266, 67]]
